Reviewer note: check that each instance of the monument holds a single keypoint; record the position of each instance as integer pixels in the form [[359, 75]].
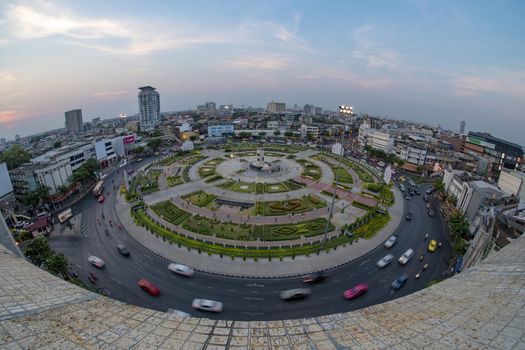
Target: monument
[[262, 165]]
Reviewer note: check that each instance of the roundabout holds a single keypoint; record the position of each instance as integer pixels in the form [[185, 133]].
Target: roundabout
[[243, 276], [287, 211]]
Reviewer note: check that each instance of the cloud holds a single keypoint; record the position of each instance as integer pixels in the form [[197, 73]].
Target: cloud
[[6, 77], [348, 77], [10, 117], [127, 38], [109, 95], [257, 62], [501, 82], [372, 51]]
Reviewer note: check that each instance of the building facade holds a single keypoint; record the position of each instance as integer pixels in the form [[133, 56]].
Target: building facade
[[74, 123], [220, 130], [276, 107], [512, 183], [309, 130], [76, 154], [28, 177], [149, 107], [500, 153], [412, 154]]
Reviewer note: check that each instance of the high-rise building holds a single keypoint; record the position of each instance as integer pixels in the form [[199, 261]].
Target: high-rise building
[[149, 107], [17, 137], [276, 107], [74, 121], [462, 127], [309, 109]]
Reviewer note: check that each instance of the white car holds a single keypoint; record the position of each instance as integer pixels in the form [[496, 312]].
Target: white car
[[391, 241], [96, 261], [207, 305], [406, 256], [294, 294], [181, 269], [387, 259]]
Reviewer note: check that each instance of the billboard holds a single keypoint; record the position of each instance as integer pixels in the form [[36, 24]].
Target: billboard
[[479, 142], [129, 139]]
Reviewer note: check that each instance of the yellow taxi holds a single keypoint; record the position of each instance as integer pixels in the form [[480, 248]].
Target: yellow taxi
[[432, 245]]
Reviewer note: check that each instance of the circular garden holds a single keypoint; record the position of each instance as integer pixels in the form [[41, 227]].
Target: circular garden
[[258, 202]]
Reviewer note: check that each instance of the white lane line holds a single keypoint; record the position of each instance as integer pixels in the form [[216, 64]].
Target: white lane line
[[211, 287], [324, 298], [254, 285], [231, 290], [252, 298], [254, 291], [364, 262]]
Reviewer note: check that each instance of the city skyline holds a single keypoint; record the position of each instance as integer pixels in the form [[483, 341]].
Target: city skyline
[[413, 60]]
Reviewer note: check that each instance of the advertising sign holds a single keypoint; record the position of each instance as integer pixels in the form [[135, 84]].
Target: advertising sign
[[129, 139]]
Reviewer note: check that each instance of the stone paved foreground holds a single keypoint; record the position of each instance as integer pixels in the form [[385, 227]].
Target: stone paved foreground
[[482, 308]]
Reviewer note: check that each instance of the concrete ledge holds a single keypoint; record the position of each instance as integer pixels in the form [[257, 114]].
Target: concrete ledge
[[483, 307]]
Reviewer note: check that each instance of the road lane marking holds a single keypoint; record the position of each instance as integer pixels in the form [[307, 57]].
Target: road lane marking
[[211, 287], [252, 298], [324, 298], [232, 290], [364, 262], [254, 285]]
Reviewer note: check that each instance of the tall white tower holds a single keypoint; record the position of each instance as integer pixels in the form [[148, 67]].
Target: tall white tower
[[149, 107]]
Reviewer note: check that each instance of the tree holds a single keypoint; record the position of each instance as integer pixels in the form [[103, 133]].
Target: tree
[[57, 144], [459, 224], [244, 135], [138, 150], [262, 133], [288, 134], [277, 132], [58, 264], [86, 171], [439, 186], [156, 133], [193, 137], [154, 144], [15, 156], [38, 250]]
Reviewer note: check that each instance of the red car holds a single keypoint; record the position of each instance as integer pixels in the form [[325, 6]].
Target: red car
[[355, 292], [101, 199], [149, 287]]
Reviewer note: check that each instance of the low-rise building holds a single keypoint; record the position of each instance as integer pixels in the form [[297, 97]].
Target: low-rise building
[[276, 107], [512, 183], [220, 130], [52, 174], [309, 130], [76, 154]]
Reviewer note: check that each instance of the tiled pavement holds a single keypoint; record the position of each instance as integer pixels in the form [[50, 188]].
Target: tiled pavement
[[481, 308]]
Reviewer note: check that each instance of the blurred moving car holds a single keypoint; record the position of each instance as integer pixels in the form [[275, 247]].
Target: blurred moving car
[[387, 259], [149, 287], [294, 294], [391, 241], [406, 256], [409, 216], [432, 245], [398, 283], [207, 305], [122, 249], [101, 198], [315, 277], [356, 291], [430, 212], [96, 261], [181, 269]]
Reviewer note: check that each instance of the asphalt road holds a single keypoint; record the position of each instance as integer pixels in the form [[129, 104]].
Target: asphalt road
[[245, 298]]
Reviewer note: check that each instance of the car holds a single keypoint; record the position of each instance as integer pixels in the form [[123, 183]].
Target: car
[[294, 294], [406, 256], [387, 259], [356, 291], [315, 277], [181, 269], [207, 305], [418, 192], [96, 261], [402, 178], [149, 287], [122, 249], [432, 245], [407, 197], [409, 216], [430, 190], [428, 205], [398, 283], [430, 213], [101, 198], [391, 241], [425, 198]]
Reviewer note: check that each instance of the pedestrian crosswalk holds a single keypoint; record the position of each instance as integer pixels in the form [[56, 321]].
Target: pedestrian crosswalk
[[86, 227]]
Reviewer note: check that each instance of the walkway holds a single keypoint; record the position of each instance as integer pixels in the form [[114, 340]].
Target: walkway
[[262, 268]]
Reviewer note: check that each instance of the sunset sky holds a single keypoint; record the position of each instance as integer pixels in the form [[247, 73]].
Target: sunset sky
[[429, 61]]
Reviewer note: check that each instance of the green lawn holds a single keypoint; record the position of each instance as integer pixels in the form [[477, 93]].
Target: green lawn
[[200, 198], [240, 252], [226, 230], [246, 187], [293, 231], [342, 175], [174, 180], [310, 169], [170, 212], [371, 228], [239, 186], [285, 207]]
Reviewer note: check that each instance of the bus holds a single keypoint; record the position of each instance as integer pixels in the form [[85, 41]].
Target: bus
[[98, 189]]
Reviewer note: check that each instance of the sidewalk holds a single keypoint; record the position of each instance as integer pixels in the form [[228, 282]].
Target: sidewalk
[[262, 268]]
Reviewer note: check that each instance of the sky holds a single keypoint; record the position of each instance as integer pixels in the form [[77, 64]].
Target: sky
[[428, 61]]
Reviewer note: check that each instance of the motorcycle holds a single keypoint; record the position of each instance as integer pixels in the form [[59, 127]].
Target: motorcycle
[[427, 265], [107, 232], [421, 257], [426, 236], [418, 274]]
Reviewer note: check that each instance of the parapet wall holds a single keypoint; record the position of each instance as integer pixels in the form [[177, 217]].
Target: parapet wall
[[483, 307]]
